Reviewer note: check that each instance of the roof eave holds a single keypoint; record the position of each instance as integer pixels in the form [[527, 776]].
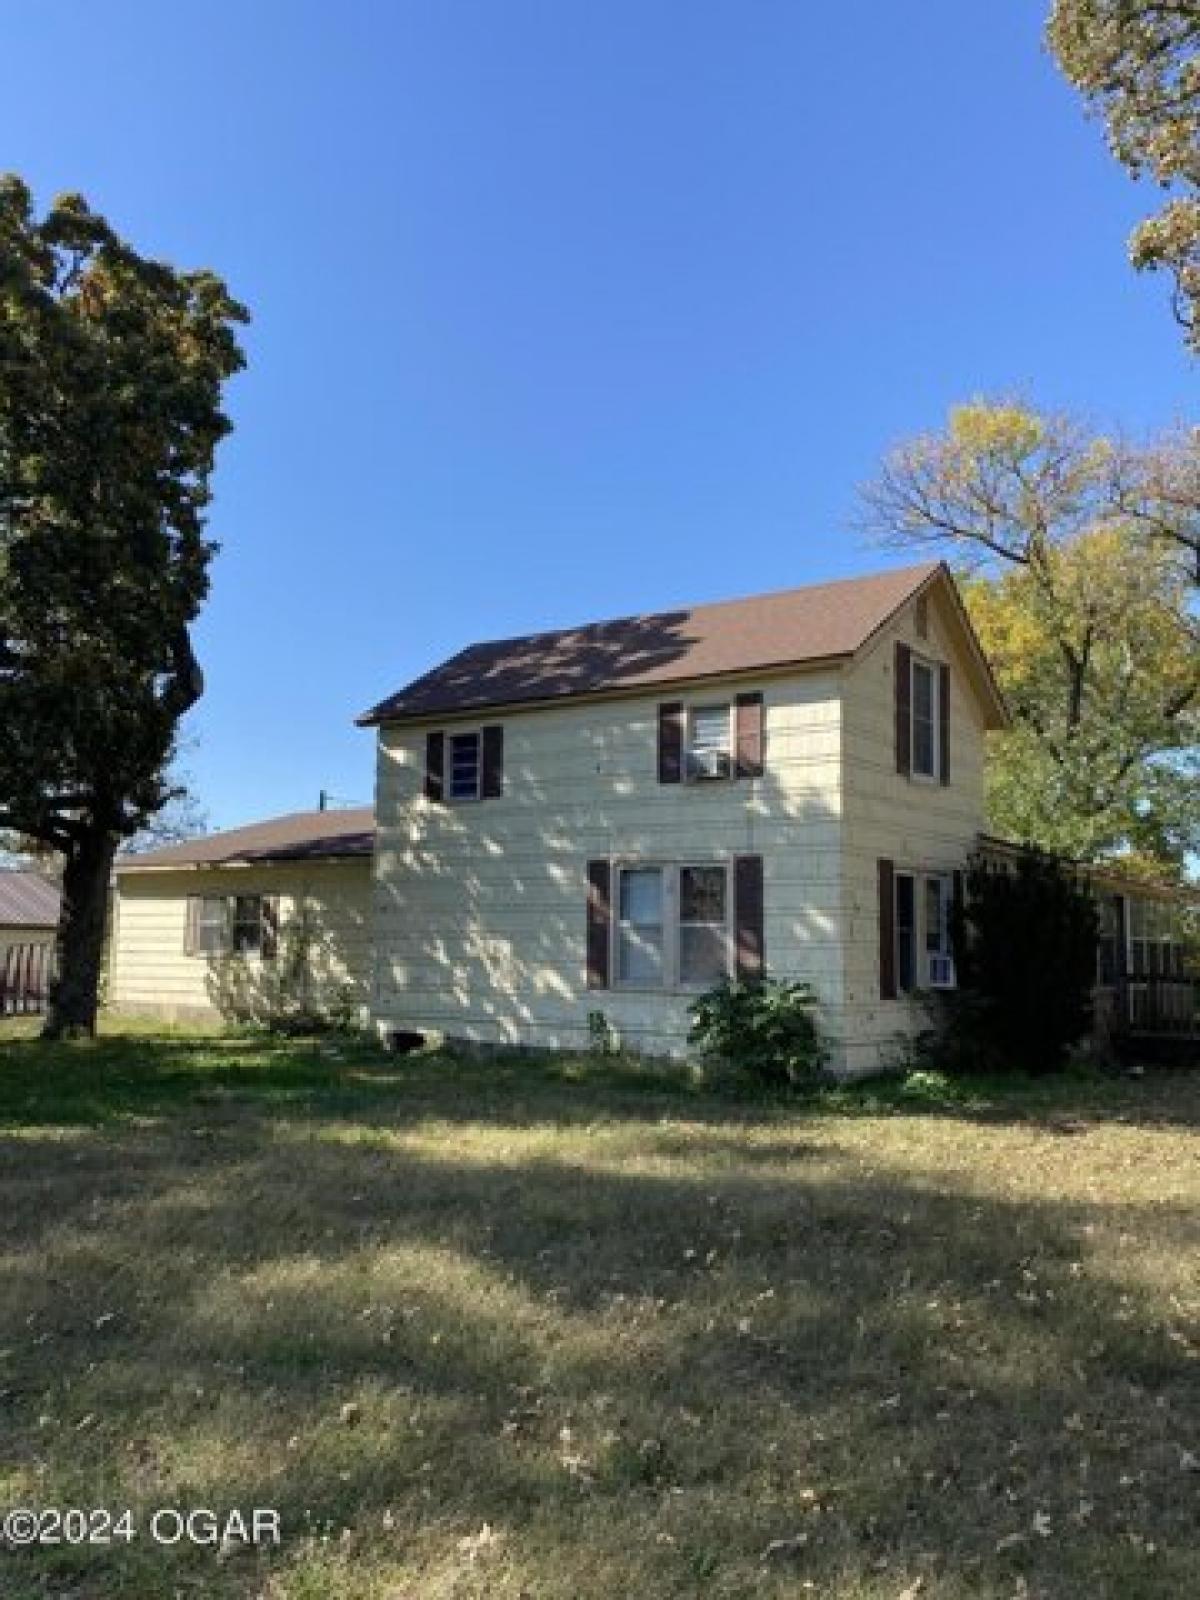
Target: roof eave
[[634, 691], [223, 862]]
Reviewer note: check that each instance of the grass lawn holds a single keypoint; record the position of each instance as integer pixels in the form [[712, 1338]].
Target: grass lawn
[[586, 1330]]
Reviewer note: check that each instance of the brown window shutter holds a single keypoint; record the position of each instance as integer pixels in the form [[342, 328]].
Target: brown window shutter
[[670, 742], [749, 951], [599, 917], [903, 709], [887, 929], [435, 766], [493, 763], [269, 927], [944, 719], [192, 922], [748, 736]]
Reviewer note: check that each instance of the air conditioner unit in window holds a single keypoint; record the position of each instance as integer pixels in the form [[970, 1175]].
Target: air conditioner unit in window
[[941, 972], [710, 764]]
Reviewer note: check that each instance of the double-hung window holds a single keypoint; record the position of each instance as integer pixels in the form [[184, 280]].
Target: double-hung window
[[926, 687], [641, 925], [465, 766], [703, 925], [672, 925], [237, 924], [709, 745], [210, 925]]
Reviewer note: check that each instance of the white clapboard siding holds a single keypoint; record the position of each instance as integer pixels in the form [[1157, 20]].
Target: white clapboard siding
[[919, 825], [479, 909], [150, 972]]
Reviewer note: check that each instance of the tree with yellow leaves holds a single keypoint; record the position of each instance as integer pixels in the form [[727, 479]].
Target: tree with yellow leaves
[[1078, 558]]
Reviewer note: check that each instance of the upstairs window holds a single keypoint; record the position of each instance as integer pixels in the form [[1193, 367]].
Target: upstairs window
[[925, 689], [465, 766], [709, 746]]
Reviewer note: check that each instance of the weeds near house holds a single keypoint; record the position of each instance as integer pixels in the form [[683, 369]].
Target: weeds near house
[[585, 1328]]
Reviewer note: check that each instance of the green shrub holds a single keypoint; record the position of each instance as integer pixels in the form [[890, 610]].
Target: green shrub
[[763, 1025], [1025, 955]]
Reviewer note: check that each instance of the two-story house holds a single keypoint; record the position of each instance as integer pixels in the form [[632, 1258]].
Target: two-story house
[[585, 829], [601, 822]]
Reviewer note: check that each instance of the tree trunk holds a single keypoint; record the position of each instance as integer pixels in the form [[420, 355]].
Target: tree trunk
[[74, 996]]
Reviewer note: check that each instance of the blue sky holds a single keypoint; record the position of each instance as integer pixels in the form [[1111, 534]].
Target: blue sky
[[574, 308]]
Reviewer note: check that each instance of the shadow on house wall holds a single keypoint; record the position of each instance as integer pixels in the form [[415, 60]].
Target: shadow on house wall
[[308, 981]]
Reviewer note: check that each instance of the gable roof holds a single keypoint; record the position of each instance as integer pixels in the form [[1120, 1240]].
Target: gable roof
[[299, 836], [822, 622], [28, 899]]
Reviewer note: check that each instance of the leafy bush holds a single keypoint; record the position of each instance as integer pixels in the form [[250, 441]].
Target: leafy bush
[[1025, 954], [303, 989], [764, 1025]]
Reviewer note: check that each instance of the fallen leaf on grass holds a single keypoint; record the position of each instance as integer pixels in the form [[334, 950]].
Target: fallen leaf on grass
[[784, 1549]]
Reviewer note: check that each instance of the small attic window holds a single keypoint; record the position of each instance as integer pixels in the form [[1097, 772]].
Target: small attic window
[[922, 616]]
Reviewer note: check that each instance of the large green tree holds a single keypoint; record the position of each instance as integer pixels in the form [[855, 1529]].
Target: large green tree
[[1137, 63], [1077, 555], [111, 374]]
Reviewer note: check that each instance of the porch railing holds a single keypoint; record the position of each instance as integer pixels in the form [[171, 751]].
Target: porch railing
[[1151, 1004], [25, 971]]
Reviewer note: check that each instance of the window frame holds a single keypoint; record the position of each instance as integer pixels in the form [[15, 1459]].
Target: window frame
[[671, 870], [920, 976], [690, 713], [620, 923], [926, 664], [193, 945], [448, 779], [225, 926], [945, 950], [236, 900]]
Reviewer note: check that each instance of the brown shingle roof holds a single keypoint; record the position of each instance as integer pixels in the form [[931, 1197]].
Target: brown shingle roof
[[27, 899], [820, 622], [300, 836]]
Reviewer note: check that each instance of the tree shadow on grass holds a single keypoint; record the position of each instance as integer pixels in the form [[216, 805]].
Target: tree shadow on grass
[[639, 1365]]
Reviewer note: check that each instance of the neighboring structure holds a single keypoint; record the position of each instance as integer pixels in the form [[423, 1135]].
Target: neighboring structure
[[29, 903], [1143, 983], [608, 819], [244, 924]]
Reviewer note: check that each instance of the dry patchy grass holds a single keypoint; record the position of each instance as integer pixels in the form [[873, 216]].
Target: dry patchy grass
[[587, 1330]]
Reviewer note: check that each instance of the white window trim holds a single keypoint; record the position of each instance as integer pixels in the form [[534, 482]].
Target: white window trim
[[689, 717], [917, 659], [672, 982], [451, 798], [227, 947], [226, 944]]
